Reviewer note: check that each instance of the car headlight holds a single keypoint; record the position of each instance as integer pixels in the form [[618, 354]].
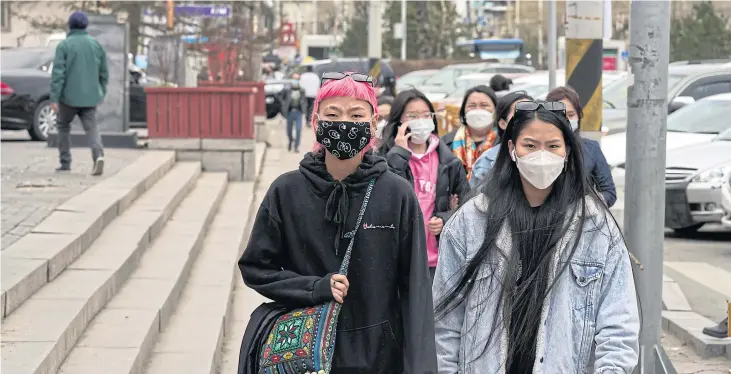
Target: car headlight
[[273, 88], [713, 175]]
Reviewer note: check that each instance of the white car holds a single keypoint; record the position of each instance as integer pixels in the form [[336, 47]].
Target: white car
[[696, 123], [726, 202], [536, 84]]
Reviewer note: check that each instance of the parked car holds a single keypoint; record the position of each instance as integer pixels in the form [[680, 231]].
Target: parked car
[[25, 83], [696, 123], [442, 83], [275, 90], [536, 84], [687, 83], [413, 79], [726, 203], [694, 179]]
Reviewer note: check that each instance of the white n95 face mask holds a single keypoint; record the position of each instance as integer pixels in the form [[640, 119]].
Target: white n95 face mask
[[421, 129], [478, 118], [574, 124], [379, 128], [540, 168]]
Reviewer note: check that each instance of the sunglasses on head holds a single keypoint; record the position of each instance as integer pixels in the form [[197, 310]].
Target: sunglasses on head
[[336, 76], [531, 106]]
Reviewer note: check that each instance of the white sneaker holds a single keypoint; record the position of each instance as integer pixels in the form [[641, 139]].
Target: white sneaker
[[98, 168]]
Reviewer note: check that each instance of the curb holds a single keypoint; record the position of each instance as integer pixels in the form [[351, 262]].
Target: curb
[[679, 319]]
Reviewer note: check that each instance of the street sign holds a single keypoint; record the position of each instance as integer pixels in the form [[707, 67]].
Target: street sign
[[203, 10], [193, 39]]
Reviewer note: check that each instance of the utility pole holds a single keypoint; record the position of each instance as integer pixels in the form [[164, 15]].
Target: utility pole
[[552, 37], [541, 25], [374, 38], [517, 18], [645, 170], [584, 54], [314, 17], [404, 26]]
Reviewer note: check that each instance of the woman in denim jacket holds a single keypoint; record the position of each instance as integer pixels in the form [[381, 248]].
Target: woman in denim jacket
[[545, 286], [503, 113]]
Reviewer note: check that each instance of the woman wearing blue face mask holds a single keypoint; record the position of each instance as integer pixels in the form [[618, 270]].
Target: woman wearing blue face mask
[[414, 151], [599, 171]]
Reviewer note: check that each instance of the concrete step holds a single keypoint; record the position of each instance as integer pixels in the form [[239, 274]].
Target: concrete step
[[191, 341], [41, 255], [41, 332], [122, 335], [245, 300], [688, 327]]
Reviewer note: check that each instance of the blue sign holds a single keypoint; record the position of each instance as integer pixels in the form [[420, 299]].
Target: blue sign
[[192, 39], [625, 55], [203, 10]]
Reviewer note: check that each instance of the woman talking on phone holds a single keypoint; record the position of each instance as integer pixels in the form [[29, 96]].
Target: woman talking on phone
[[413, 150], [534, 275]]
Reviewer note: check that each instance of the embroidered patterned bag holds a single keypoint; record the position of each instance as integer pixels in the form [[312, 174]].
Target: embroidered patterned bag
[[302, 341]]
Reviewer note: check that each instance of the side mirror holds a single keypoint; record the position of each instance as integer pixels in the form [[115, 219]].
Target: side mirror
[[680, 102]]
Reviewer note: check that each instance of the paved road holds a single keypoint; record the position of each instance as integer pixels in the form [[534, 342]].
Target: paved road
[[712, 245], [30, 187]]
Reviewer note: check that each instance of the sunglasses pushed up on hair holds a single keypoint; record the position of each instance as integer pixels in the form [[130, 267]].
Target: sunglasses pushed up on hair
[[336, 76], [556, 107]]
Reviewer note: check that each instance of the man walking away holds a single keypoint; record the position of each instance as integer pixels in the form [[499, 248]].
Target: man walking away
[[293, 105], [310, 82], [78, 85]]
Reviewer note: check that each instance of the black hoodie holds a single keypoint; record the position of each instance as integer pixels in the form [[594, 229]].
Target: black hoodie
[[387, 321]]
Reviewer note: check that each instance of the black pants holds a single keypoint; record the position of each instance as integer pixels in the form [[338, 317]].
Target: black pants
[[66, 114], [432, 271]]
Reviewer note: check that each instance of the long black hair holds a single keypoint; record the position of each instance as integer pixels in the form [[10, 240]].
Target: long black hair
[[499, 82], [535, 233], [477, 89], [502, 108], [388, 137]]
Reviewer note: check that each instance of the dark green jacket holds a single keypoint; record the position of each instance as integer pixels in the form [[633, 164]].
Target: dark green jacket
[[80, 71]]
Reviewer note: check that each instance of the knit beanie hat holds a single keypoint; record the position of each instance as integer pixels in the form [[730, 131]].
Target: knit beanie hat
[[78, 20]]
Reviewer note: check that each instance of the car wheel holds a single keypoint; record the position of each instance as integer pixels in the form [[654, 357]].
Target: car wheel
[[44, 121], [688, 230], [273, 109]]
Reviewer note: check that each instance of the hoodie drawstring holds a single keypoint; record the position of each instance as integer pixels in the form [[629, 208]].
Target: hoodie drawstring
[[336, 210]]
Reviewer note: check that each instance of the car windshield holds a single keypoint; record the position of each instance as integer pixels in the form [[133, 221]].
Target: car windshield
[[415, 77], [702, 117], [25, 59], [615, 94]]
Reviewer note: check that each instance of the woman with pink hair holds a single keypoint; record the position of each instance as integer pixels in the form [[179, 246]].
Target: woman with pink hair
[[344, 203]]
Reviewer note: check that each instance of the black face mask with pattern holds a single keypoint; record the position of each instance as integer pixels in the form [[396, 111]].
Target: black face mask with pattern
[[343, 139]]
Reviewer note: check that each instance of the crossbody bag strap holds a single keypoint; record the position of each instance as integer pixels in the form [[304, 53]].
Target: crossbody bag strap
[[346, 258]]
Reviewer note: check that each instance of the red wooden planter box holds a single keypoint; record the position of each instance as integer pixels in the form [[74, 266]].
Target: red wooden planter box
[[201, 112], [260, 99]]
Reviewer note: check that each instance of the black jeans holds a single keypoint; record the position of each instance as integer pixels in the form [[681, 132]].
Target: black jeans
[[66, 114]]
